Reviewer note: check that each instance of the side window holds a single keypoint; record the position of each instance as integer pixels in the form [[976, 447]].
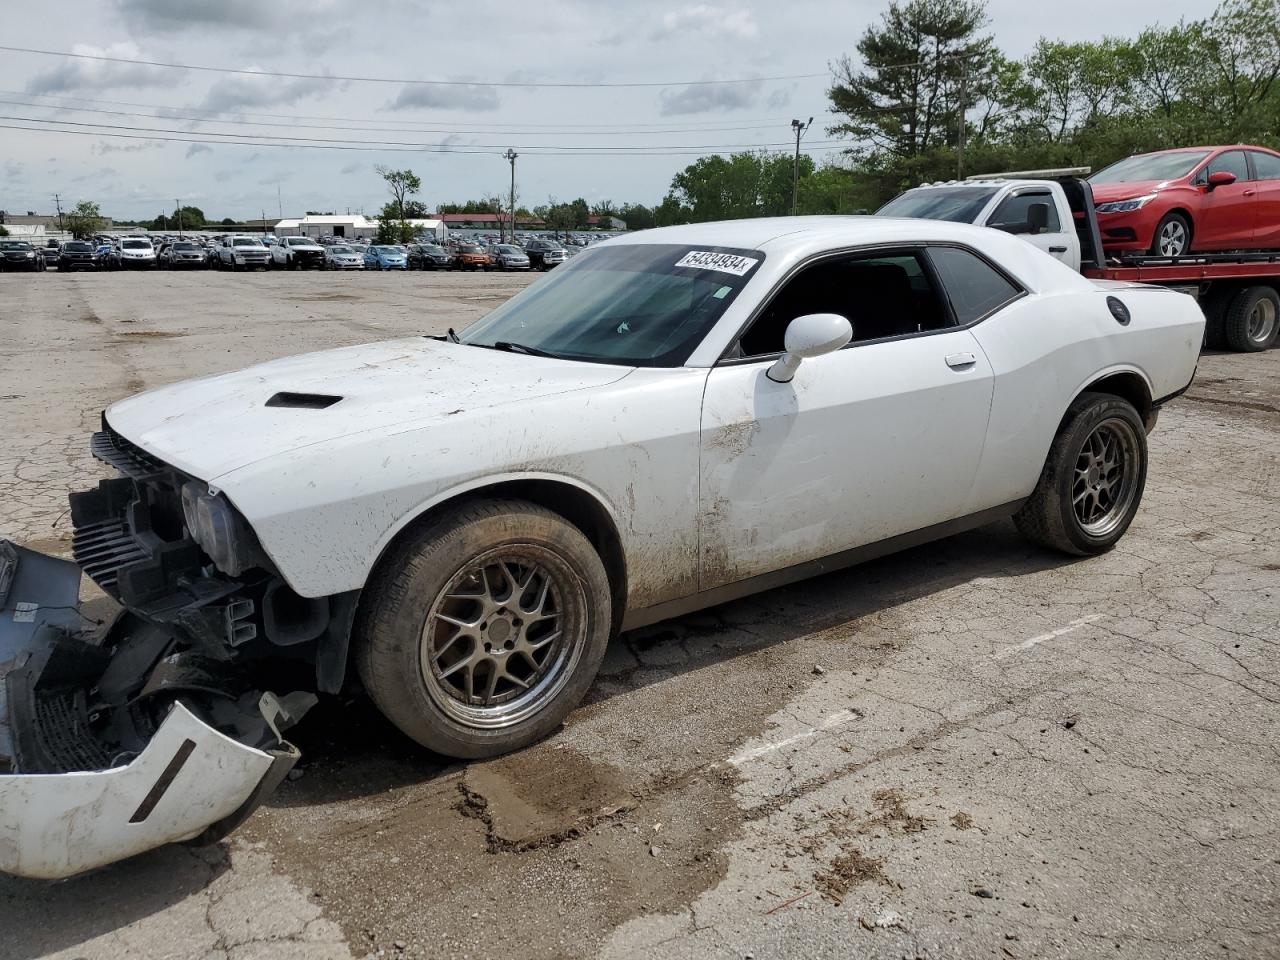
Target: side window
[[888, 295], [1013, 211], [974, 286], [1232, 162], [1266, 165]]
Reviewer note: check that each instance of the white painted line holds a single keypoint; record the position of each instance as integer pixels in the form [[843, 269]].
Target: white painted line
[[755, 753], [1071, 627]]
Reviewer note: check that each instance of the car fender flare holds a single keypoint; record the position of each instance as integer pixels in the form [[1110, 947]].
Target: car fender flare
[[475, 485], [1116, 374]]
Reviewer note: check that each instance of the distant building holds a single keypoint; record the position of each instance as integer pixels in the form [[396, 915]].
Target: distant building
[[47, 221], [350, 227], [606, 223]]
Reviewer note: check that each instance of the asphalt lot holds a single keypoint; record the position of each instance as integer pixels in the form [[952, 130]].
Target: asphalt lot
[[972, 749]]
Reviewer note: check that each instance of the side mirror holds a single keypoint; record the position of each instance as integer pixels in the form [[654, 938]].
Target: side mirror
[[1221, 178], [1037, 218], [809, 336]]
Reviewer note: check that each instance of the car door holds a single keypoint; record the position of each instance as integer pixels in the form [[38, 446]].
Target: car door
[[1266, 174], [1011, 216], [881, 438], [1228, 214]]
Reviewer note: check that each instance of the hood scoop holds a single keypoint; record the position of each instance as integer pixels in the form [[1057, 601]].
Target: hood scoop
[[303, 401]]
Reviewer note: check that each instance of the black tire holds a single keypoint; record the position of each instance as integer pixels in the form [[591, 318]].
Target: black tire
[[1215, 312], [1049, 517], [1172, 222], [412, 579], [1252, 321]]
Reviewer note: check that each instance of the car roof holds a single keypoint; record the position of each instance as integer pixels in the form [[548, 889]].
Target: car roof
[[788, 240]]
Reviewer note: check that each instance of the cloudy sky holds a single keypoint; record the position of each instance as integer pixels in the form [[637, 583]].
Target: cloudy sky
[[452, 136]]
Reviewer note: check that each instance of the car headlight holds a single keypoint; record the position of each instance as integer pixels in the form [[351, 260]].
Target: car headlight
[[219, 530], [1126, 206]]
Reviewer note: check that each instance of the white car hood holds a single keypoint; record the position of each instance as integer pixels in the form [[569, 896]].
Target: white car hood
[[214, 425]]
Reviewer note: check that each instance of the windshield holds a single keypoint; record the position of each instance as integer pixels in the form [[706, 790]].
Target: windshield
[[136, 244], [340, 249], [76, 245], [14, 245], [469, 248], [245, 242], [1151, 166], [509, 250], [185, 246], [298, 242], [639, 305], [432, 249], [957, 204]]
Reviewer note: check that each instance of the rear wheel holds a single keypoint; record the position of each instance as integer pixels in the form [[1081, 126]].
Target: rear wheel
[[483, 630], [1252, 321], [1172, 237], [1092, 481]]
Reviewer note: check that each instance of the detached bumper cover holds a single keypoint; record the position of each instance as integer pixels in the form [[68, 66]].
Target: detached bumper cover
[[191, 782], [74, 801]]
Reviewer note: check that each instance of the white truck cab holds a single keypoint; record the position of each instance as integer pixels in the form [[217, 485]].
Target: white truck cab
[[1032, 205]]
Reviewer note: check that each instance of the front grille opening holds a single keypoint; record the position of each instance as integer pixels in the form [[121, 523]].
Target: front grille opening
[[303, 401]]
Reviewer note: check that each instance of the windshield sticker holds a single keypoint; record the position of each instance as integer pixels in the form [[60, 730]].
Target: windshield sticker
[[720, 262]]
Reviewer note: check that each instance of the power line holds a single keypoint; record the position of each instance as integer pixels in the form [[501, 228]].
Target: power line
[[326, 126], [710, 125], [334, 78], [567, 150], [403, 148]]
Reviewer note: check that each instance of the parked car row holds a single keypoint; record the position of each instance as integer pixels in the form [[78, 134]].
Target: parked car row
[[255, 252]]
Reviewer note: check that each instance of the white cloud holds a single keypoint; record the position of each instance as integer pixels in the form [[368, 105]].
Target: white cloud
[[198, 148], [74, 75], [425, 96], [103, 147], [707, 20]]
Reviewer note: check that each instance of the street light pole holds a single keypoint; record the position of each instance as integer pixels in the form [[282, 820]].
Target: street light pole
[[799, 128], [510, 157], [177, 206]]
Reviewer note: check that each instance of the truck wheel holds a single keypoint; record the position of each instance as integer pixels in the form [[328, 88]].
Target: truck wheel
[[1251, 322], [480, 632], [1172, 237], [1093, 478]]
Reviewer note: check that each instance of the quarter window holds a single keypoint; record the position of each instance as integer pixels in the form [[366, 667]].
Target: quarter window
[[975, 288]]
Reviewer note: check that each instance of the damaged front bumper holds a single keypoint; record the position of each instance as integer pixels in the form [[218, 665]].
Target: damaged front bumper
[[116, 741]]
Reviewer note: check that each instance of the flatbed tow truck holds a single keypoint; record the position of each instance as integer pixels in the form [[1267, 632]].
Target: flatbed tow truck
[[1239, 292]]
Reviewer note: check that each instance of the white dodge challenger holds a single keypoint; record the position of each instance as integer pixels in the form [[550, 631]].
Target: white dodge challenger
[[670, 420]]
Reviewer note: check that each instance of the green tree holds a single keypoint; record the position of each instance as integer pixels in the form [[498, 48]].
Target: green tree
[[84, 220], [3, 231], [905, 101]]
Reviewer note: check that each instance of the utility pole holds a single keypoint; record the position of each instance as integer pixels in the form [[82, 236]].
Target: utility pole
[[58, 202], [799, 128], [177, 207], [960, 135], [263, 211], [279, 201], [510, 157]]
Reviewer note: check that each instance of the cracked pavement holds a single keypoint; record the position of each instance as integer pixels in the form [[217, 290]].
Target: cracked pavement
[[970, 749]]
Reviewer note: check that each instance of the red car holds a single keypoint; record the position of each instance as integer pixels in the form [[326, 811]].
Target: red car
[[1198, 199]]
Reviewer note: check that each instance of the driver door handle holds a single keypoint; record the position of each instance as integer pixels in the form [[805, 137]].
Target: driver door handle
[[1057, 249], [961, 361]]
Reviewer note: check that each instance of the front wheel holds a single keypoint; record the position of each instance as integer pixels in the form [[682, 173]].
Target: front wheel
[[484, 628], [1092, 481], [1172, 237]]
